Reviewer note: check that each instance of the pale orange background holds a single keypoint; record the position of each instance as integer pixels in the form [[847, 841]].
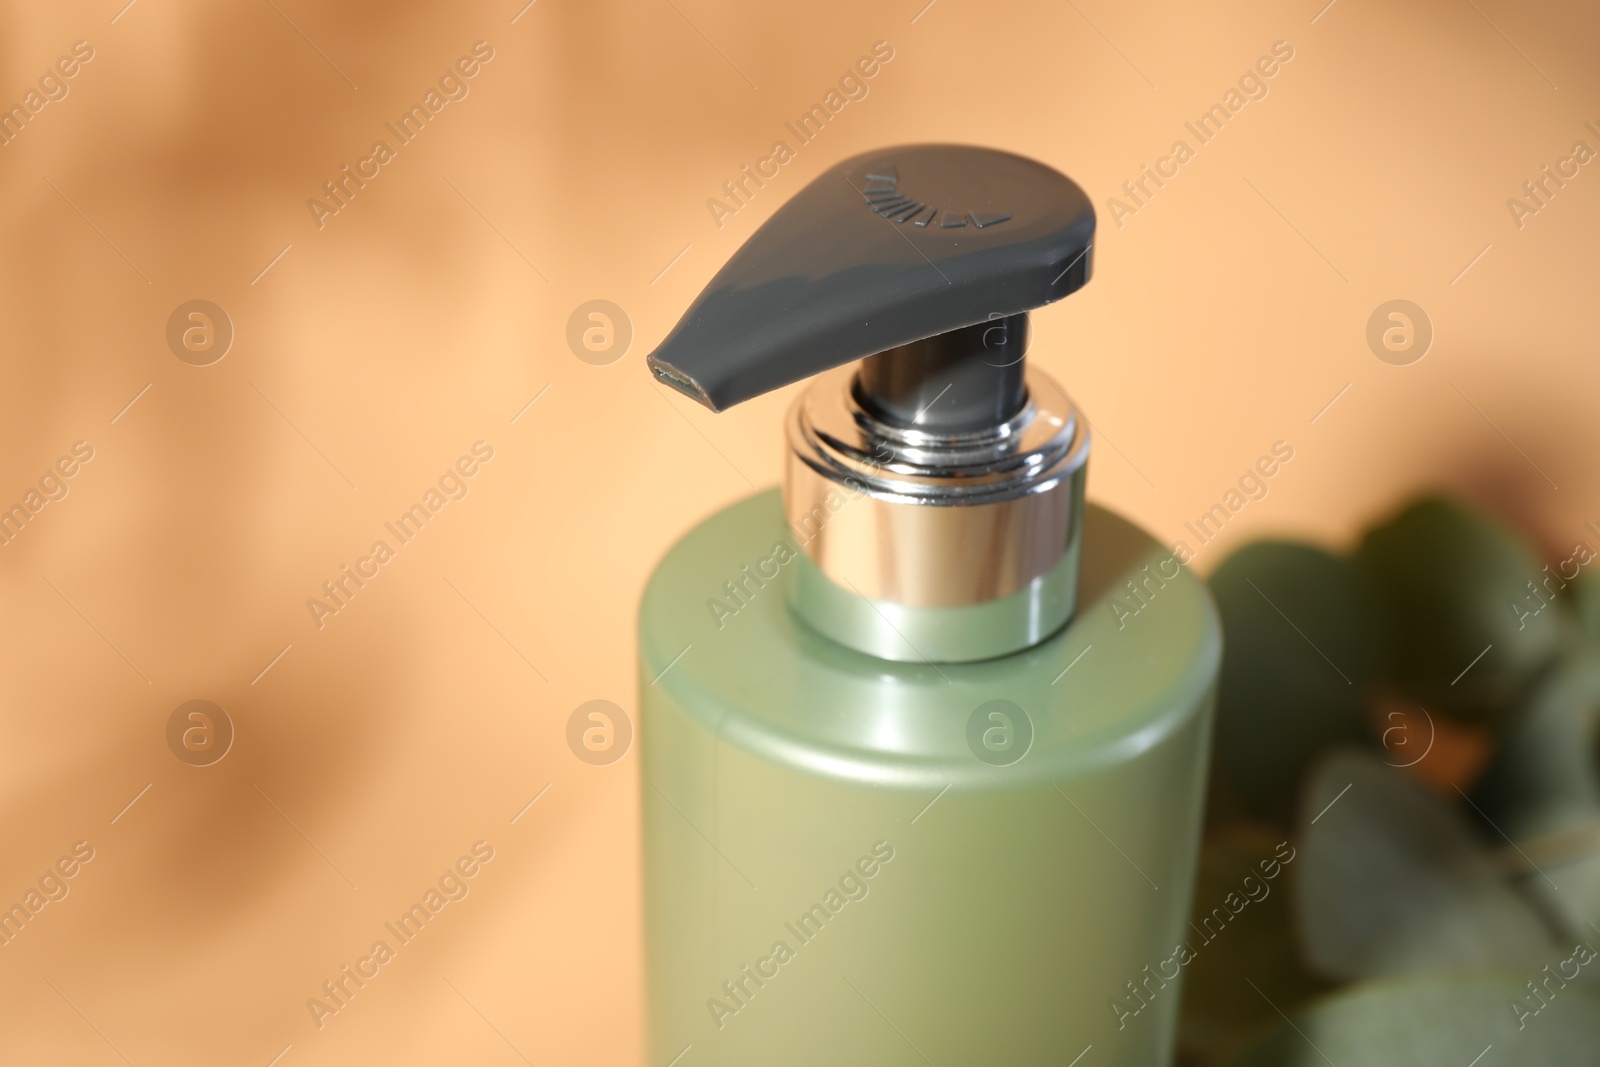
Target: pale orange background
[[423, 717]]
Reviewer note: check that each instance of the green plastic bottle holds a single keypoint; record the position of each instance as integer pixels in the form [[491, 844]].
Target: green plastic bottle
[[924, 738]]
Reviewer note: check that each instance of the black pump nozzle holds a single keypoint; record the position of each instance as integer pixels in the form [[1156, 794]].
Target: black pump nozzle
[[955, 382], [922, 260]]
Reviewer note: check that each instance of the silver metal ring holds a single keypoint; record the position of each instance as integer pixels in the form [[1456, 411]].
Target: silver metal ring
[[921, 520]]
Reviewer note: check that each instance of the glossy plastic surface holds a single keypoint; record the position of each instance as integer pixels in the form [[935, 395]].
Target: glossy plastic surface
[[1010, 900]]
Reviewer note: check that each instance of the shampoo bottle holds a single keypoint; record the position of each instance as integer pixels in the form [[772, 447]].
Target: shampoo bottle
[[924, 737]]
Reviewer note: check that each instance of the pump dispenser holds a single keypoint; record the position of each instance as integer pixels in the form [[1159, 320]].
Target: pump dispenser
[[913, 668]]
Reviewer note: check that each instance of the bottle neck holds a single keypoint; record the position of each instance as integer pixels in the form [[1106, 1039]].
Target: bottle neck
[[942, 546]]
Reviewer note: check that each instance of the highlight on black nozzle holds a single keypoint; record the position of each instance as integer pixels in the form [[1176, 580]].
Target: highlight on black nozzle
[[679, 381]]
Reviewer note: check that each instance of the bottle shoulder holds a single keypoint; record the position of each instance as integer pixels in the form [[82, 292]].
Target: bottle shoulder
[[719, 644]]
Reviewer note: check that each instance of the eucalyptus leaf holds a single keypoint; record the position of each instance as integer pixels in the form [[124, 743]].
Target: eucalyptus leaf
[[1586, 602], [1302, 640], [1446, 1021], [1545, 776], [1568, 888], [1392, 880], [1220, 1010], [1468, 631], [1543, 792]]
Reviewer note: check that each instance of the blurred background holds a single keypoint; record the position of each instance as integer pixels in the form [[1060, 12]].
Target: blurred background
[[222, 379]]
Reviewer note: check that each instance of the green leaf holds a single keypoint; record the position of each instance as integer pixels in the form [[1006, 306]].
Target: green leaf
[[1586, 601], [1546, 773], [1543, 791], [1392, 880], [1453, 1021], [1220, 1011], [1299, 629], [1467, 631]]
